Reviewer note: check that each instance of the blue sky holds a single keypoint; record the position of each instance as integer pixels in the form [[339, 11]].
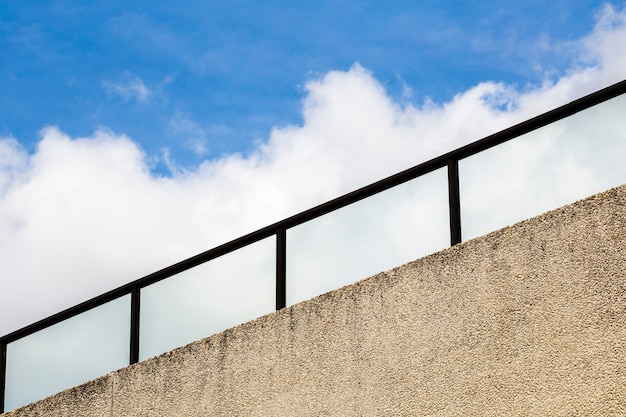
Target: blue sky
[[205, 79]]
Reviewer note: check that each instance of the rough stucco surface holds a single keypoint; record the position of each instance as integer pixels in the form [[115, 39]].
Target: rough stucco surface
[[528, 320]]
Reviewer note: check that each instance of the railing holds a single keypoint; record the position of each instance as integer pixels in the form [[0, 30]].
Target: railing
[[278, 231]]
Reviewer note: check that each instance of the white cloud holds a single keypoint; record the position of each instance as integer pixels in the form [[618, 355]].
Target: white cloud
[[13, 163], [132, 87], [195, 136], [80, 216]]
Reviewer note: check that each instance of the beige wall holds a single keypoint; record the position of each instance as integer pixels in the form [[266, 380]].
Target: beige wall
[[528, 320]]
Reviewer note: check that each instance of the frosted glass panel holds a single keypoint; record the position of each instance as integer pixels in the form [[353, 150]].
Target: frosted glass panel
[[386, 230], [67, 354], [545, 169], [219, 294]]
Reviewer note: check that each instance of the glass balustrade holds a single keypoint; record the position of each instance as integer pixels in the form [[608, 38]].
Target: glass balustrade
[[388, 229], [69, 353], [545, 169], [211, 297]]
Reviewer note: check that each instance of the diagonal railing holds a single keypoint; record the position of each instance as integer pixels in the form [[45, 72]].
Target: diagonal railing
[[449, 161]]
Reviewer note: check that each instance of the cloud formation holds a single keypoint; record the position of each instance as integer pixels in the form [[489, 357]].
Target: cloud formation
[[195, 136], [132, 87], [79, 216]]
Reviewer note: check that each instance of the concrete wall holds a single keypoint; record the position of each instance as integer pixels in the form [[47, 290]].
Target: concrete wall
[[528, 320]]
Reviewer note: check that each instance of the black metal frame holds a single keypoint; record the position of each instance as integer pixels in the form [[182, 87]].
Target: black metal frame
[[279, 229]]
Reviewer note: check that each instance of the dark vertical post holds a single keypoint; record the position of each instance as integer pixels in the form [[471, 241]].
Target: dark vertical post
[[454, 200], [3, 373], [135, 303], [281, 268]]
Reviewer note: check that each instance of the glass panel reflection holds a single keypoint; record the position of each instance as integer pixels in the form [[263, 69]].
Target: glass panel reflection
[[219, 294], [383, 231], [545, 169], [67, 354]]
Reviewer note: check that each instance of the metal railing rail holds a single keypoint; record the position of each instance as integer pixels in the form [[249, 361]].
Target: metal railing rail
[[279, 229]]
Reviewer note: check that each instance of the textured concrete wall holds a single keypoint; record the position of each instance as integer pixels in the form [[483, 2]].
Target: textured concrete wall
[[528, 320]]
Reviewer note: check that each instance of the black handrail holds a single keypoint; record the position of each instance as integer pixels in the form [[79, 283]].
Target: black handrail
[[279, 229]]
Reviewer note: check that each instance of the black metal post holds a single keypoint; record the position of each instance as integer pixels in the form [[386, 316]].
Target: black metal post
[[3, 373], [135, 304], [281, 268], [454, 200]]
